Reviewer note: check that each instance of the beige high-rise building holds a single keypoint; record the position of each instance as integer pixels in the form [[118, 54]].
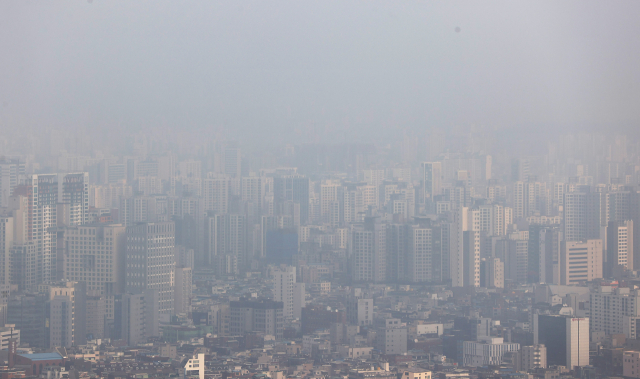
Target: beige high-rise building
[[580, 261], [95, 254], [109, 195]]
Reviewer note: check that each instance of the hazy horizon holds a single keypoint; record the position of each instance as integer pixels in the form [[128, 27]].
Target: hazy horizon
[[330, 71]]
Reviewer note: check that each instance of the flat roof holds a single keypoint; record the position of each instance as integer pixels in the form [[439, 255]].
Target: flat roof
[[42, 356]]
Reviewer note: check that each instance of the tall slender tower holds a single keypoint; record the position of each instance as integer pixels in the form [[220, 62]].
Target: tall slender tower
[[465, 248], [431, 179], [284, 280]]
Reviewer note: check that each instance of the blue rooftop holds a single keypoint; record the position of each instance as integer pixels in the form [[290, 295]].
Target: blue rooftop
[[42, 356]]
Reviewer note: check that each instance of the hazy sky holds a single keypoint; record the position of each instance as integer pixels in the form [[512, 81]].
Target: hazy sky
[[319, 69]]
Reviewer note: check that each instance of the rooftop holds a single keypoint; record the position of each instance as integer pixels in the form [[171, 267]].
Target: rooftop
[[42, 356]]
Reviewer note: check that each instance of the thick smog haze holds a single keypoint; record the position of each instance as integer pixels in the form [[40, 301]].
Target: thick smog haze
[[319, 71], [319, 189]]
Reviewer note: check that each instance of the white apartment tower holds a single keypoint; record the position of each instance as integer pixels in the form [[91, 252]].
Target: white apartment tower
[[620, 245], [284, 280]]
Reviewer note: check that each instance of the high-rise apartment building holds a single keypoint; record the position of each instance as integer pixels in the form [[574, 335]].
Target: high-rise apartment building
[[284, 280], [183, 290], [369, 252], [109, 196], [328, 196], [580, 261], [6, 243], [299, 299], [67, 313], [357, 200], [215, 193], [135, 317], [619, 246], [409, 253], [362, 255], [494, 219], [42, 194], [543, 257], [419, 254], [150, 261], [232, 161], [42, 204], [548, 245], [465, 248], [431, 179], [95, 254], [97, 316], [372, 177], [226, 235], [254, 190], [12, 172], [492, 273], [74, 188], [516, 260], [519, 209], [264, 316], [293, 188], [566, 339], [28, 312], [609, 306], [582, 210], [136, 209]]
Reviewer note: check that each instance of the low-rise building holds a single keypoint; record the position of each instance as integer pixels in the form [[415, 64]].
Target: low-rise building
[[487, 351]]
